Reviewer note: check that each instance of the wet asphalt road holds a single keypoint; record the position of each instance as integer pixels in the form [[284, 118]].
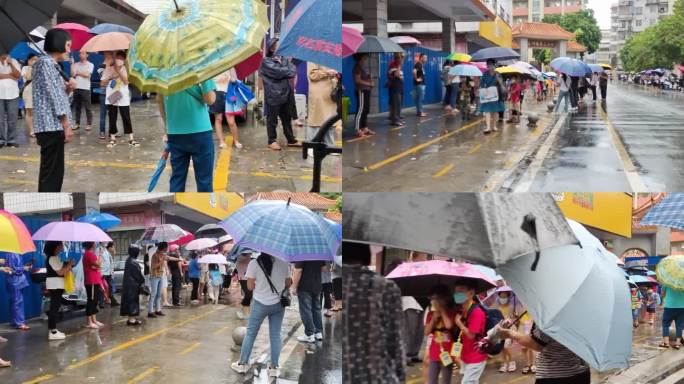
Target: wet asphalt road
[[91, 166], [631, 142], [191, 344]]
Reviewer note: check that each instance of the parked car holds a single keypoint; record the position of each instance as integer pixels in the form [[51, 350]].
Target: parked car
[[118, 271]]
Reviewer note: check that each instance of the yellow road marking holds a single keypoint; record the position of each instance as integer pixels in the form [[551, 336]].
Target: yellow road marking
[[220, 330], [327, 179], [19, 182], [521, 378], [190, 348], [443, 171], [419, 147], [39, 379], [84, 163], [143, 375], [359, 138], [222, 170], [475, 149]]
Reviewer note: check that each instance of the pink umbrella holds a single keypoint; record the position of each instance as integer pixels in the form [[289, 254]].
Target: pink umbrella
[[213, 258], [405, 40], [110, 41], [80, 34], [351, 41], [418, 278], [70, 231], [198, 244], [480, 65]]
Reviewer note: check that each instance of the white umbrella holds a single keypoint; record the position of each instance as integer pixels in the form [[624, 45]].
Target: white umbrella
[[213, 258], [198, 244], [38, 32], [485, 228]]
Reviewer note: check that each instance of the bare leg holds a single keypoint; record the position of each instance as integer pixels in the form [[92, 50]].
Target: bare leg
[[29, 121], [218, 127], [233, 130]]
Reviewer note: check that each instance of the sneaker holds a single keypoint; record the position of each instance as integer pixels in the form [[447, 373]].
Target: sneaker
[[239, 368], [273, 372], [56, 335], [237, 144], [152, 315], [306, 339], [319, 336], [240, 315], [160, 313]]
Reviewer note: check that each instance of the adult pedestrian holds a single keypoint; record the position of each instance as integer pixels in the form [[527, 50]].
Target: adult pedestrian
[[673, 304], [106, 261], [276, 73], [419, 84], [603, 84], [16, 282], [636, 299], [438, 326], [10, 72], [574, 93], [413, 329], [118, 97], [337, 287], [564, 93], [81, 72], [268, 277], [54, 283], [132, 287], [653, 301], [101, 91], [364, 85], [593, 83], [471, 320], [322, 84], [395, 83], [370, 354], [27, 92], [454, 98], [173, 261], [465, 97], [157, 262], [326, 292], [491, 96], [242, 263], [556, 364], [188, 133], [307, 284], [445, 77], [194, 274], [218, 109], [52, 112], [93, 281]]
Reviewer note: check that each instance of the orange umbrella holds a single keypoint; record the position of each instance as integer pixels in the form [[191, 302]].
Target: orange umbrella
[[111, 41], [14, 237]]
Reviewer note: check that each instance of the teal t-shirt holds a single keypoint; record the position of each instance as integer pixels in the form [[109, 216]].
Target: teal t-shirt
[[673, 298], [186, 111]]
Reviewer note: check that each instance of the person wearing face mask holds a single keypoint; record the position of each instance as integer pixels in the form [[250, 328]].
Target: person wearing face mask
[[438, 325], [491, 102], [505, 303], [471, 322]]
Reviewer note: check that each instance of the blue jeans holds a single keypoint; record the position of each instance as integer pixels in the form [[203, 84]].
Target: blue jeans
[[670, 315], [420, 95], [200, 148], [103, 114], [259, 312], [455, 92], [154, 304], [310, 312], [563, 95]]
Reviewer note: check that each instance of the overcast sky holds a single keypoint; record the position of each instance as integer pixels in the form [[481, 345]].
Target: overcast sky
[[147, 6], [601, 12]]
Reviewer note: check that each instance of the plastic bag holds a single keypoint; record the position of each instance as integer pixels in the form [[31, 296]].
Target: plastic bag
[[69, 282]]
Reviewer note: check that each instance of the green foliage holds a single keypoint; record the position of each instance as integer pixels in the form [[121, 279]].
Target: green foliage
[[583, 24], [336, 196], [542, 55]]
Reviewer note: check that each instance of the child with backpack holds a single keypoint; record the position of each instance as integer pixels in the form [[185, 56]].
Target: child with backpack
[[652, 301], [215, 281], [472, 323], [438, 327]]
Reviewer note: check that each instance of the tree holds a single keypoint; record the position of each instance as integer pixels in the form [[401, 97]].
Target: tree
[[542, 55], [583, 24]]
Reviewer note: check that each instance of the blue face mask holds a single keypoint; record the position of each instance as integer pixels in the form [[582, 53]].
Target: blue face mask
[[460, 297]]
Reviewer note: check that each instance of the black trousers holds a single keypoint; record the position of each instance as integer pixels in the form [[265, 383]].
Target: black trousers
[[593, 91], [125, 117], [337, 288], [396, 103], [582, 378], [246, 294], [274, 112], [82, 100], [604, 90], [51, 173], [326, 295], [92, 293], [55, 303], [175, 288], [195, 286], [363, 101]]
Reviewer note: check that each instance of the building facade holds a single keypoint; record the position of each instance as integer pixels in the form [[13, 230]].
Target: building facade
[[534, 10], [606, 52]]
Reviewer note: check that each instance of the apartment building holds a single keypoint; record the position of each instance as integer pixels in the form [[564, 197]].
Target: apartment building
[[534, 10]]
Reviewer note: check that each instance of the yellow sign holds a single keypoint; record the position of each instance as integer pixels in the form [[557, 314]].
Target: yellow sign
[[218, 205], [607, 211], [497, 31]]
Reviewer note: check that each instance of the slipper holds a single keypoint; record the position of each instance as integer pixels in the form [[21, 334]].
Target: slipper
[[663, 345], [136, 322], [677, 346], [526, 370], [23, 327]]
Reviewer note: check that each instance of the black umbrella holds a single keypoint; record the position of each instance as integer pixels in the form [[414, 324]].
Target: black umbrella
[[211, 231], [496, 53], [375, 44], [18, 17]]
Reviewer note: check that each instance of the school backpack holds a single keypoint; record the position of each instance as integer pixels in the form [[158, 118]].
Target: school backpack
[[493, 317]]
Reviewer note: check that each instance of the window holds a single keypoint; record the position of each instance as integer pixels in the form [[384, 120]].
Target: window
[[638, 23], [662, 9], [535, 18], [535, 5], [639, 10]]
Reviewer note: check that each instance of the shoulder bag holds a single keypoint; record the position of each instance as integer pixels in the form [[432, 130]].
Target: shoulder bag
[[285, 299]]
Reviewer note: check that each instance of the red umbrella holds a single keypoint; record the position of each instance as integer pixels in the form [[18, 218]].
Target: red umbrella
[[80, 34], [249, 66], [186, 238]]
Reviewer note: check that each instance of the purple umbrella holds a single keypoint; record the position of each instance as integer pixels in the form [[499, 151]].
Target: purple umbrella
[[70, 231]]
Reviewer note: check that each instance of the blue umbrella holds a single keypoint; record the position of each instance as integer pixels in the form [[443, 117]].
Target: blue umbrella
[[669, 212], [465, 70], [571, 282], [160, 168], [108, 27], [312, 33], [650, 273], [337, 227], [288, 231], [595, 68], [638, 279], [552, 75], [23, 49], [571, 67], [103, 220], [496, 53]]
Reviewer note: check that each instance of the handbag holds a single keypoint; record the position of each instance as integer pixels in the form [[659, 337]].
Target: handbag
[[144, 290], [69, 282], [489, 94], [285, 299]]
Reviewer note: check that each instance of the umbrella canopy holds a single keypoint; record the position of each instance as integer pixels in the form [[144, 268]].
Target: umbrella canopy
[[571, 282], [214, 258], [14, 237], [337, 228], [465, 70], [606, 66], [418, 278], [375, 44], [571, 67], [595, 68], [18, 17], [174, 50], [670, 272], [496, 53], [110, 41], [198, 244], [109, 27], [489, 272], [164, 232], [211, 231], [309, 35], [70, 231], [669, 212], [80, 34], [511, 70], [102, 220], [23, 49], [351, 40], [185, 238], [483, 228], [551, 74], [642, 280], [289, 231], [458, 56], [405, 40]]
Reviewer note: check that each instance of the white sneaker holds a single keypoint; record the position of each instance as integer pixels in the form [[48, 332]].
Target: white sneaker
[[239, 368], [306, 339], [240, 315], [319, 336], [274, 372], [57, 335]]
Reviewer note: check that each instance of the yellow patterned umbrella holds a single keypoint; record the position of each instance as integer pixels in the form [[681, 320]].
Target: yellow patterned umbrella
[[190, 41], [670, 271]]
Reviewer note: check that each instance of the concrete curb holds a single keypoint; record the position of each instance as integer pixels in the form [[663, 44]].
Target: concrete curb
[[651, 371]]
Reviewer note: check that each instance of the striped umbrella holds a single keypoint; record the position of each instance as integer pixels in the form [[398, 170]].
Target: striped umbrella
[[169, 233], [669, 212], [14, 237]]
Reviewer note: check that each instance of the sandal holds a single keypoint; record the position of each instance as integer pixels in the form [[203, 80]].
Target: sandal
[[360, 133], [533, 368], [676, 346], [23, 327], [5, 364], [526, 370], [111, 144], [503, 368], [367, 131], [133, 143], [663, 345], [136, 322]]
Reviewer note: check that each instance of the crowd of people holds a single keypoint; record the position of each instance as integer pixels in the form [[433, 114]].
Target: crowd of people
[[267, 284], [655, 80]]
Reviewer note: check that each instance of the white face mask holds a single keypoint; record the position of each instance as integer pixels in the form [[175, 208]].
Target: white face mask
[[503, 300]]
